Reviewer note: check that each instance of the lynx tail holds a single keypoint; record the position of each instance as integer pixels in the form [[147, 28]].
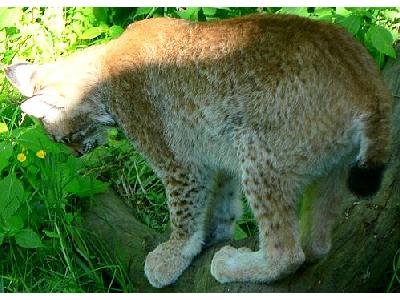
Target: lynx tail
[[366, 173]]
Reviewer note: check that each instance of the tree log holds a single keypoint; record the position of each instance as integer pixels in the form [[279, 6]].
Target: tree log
[[365, 239]]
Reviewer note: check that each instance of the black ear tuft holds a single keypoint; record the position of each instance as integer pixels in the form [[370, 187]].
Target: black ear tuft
[[365, 181]]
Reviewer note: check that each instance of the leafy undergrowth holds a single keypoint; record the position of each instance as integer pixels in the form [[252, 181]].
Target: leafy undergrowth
[[44, 189], [118, 163]]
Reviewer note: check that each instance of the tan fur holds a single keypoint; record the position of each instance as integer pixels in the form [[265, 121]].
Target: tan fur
[[273, 102]]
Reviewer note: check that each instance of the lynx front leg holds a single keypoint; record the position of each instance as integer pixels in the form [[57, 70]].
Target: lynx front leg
[[187, 189], [272, 197]]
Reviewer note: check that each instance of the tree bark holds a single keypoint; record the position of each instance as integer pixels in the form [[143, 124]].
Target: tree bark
[[365, 240]]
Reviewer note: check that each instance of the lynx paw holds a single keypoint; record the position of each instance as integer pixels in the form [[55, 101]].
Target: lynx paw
[[165, 264], [232, 265]]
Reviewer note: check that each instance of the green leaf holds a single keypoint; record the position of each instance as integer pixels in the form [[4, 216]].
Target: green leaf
[[209, 11], [342, 11], [69, 217], [51, 234], [352, 23], [239, 233], [9, 16], [324, 14], [299, 11], [360, 11], [323, 11], [35, 139], [101, 14], [115, 31], [143, 11], [91, 33], [6, 151], [83, 186], [382, 40], [27, 238], [1, 238], [190, 13], [13, 225], [11, 196], [73, 165]]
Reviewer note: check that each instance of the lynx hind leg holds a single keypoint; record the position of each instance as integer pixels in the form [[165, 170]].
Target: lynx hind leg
[[321, 206], [187, 190], [224, 209], [272, 198]]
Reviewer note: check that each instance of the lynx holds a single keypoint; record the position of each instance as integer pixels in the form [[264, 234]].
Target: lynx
[[264, 105]]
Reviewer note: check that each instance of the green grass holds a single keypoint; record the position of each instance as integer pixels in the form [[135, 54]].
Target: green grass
[[67, 264], [132, 178], [394, 284]]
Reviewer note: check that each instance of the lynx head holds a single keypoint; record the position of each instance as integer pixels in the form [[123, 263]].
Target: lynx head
[[68, 97]]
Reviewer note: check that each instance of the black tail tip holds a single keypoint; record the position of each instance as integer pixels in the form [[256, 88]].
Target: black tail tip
[[365, 181]]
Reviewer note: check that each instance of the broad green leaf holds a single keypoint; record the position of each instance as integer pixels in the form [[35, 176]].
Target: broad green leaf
[[190, 13], [6, 151], [323, 11], [35, 139], [104, 27], [342, 11], [382, 40], [352, 23], [209, 11], [13, 225], [101, 14], [300, 11], [1, 238], [239, 233], [85, 186], [115, 31], [9, 16], [11, 196], [143, 11], [27, 238], [324, 14], [360, 11], [91, 33], [73, 165], [379, 57]]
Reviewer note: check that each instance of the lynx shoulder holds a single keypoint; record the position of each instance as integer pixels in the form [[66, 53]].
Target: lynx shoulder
[[260, 104]]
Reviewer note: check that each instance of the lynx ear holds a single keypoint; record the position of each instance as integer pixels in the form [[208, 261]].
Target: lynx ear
[[20, 75], [38, 107]]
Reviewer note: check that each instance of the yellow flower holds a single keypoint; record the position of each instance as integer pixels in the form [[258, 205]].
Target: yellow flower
[[41, 154], [21, 157], [3, 127]]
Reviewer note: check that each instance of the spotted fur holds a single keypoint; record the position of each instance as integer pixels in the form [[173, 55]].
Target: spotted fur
[[265, 104]]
